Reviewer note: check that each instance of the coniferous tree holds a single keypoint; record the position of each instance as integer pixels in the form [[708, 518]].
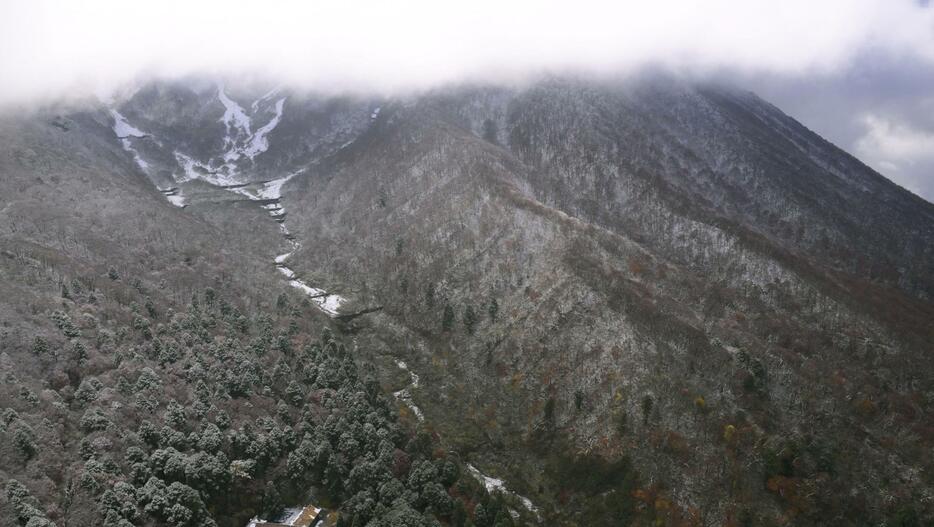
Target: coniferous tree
[[470, 318], [447, 318], [40, 347], [493, 309]]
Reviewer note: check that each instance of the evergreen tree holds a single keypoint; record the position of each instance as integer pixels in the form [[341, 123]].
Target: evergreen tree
[[447, 319], [647, 404], [470, 318], [272, 500], [430, 295], [40, 347], [79, 353]]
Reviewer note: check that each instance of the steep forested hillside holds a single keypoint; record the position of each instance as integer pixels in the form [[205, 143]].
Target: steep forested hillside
[[676, 275], [155, 371], [134, 414]]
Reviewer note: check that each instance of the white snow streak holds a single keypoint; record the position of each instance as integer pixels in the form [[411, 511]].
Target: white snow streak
[[258, 143], [405, 394], [325, 302], [122, 128], [124, 131], [273, 189], [497, 485], [234, 115], [139, 160], [268, 95], [240, 141], [176, 199]]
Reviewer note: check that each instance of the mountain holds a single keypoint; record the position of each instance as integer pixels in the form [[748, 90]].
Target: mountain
[[627, 302]]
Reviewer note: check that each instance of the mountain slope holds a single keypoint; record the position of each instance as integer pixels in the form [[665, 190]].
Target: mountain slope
[[158, 370], [659, 255], [622, 302]]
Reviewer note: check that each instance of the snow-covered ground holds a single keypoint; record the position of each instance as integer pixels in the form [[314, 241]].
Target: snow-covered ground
[[402, 365], [240, 141], [258, 143], [268, 95], [405, 394], [497, 485], [125, 132], [272, 190], [178, 201], [325, 302], [234, 118], [193, 169], [124, 129]]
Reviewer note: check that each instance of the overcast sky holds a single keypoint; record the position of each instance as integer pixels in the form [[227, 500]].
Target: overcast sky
[[859, 72]]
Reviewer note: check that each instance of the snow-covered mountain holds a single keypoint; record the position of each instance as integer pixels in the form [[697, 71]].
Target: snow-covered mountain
[[566, 283]]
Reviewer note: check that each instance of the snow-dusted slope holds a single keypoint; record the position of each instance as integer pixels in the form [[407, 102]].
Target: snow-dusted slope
[[231, 169], [126, 133]]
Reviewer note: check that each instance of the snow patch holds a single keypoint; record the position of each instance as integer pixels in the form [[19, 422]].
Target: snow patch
[[330, 303], [273, 189], [122, 128], [124, 131], [405, 394], [325, 302], [176, 199], [136, 157], [188, 166], [497, 485], [240, 141], [194, 169], [406, 397], [267, 95], [234, 116], [258, 143], [402, 365]]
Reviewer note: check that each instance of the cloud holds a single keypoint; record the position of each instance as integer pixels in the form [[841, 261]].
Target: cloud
[[899, 151], [822, 61], [895, 141], [890, 89], [48, 48]]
